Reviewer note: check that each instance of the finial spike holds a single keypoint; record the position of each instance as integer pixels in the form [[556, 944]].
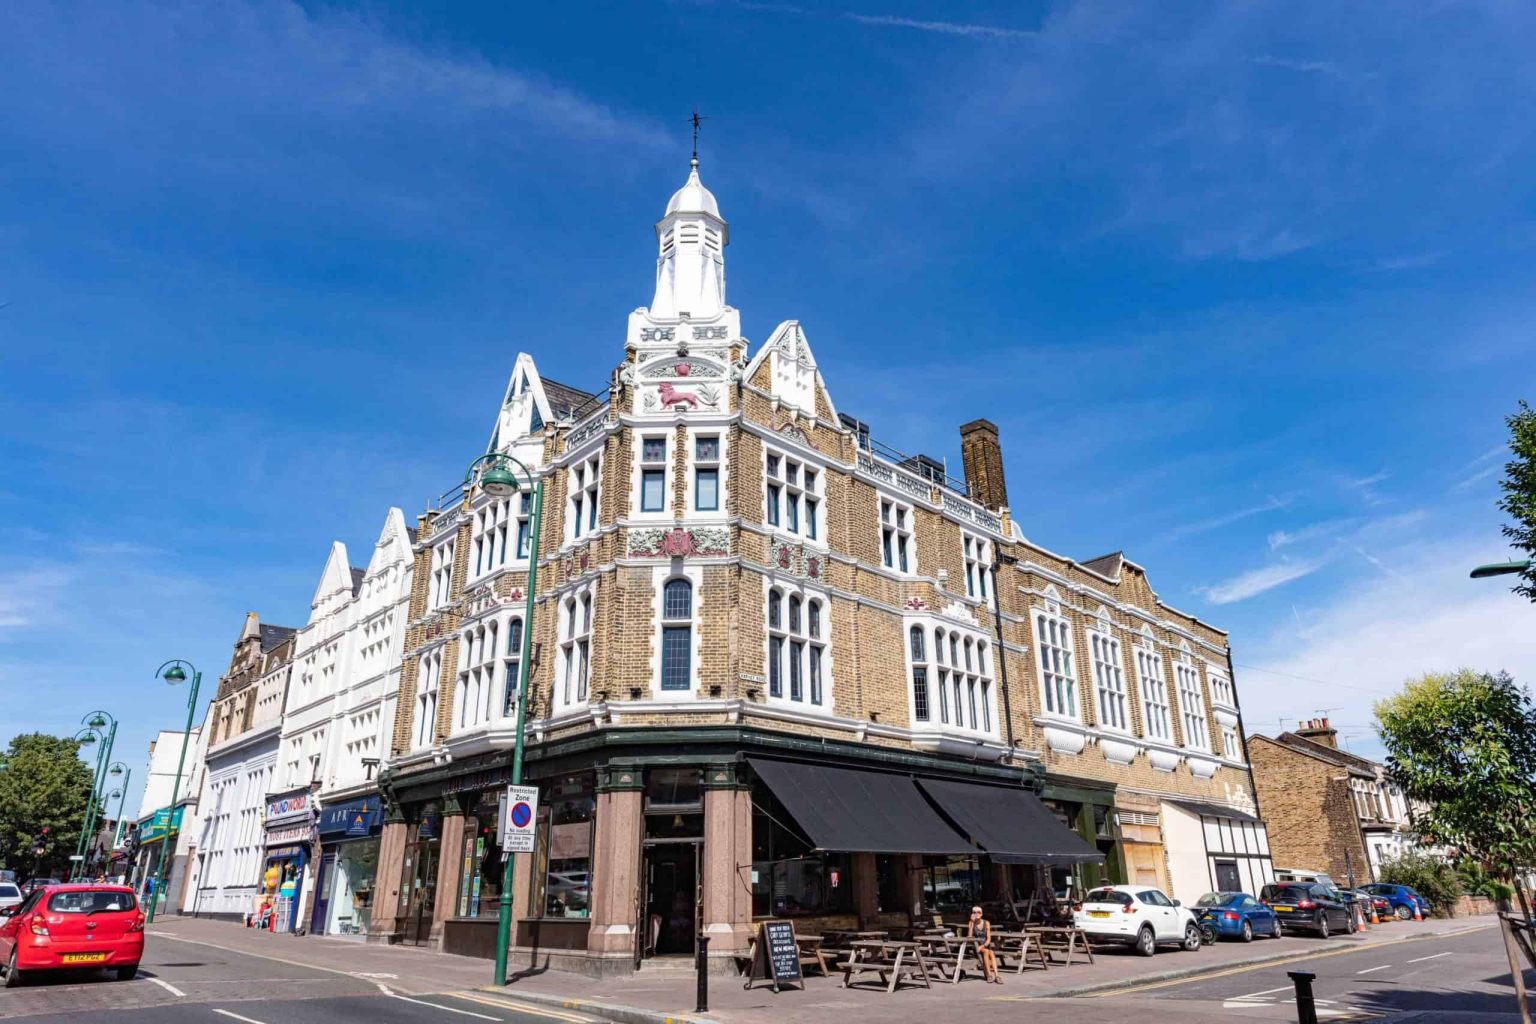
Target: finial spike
[[696, 120]]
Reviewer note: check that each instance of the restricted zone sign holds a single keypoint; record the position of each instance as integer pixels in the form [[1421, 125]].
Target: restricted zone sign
[[522, 819]]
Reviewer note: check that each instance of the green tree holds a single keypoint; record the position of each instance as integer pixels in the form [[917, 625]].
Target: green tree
[[1463, 748], [43, 783], [1519, 499], [1432, 877]]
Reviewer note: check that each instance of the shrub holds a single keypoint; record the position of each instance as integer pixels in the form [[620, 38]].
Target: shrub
[[1476, 881], [1432, 877]]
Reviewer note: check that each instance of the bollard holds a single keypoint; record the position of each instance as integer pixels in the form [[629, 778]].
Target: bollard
[[1306, 1006], [703, 968]]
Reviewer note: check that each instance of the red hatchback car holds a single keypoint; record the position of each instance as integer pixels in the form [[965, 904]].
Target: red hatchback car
[[68, 927]]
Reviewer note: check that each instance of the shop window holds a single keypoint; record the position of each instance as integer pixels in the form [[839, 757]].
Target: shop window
[[480, 876], [562, 870], [669, 789], [788, 878], [951, 885]]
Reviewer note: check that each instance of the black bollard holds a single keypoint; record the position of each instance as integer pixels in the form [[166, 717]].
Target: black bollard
[[703, 968], [1306, 1006]]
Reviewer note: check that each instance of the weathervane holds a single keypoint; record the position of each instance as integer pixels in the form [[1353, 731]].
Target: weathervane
[[696, 120]]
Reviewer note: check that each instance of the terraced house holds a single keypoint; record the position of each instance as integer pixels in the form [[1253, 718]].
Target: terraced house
[[779, 669]]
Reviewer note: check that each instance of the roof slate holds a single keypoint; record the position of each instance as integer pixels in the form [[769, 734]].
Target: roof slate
[[272, 636]]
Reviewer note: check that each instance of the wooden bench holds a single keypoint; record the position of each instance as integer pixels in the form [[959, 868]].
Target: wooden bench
[[892, 962], [1017, 949]]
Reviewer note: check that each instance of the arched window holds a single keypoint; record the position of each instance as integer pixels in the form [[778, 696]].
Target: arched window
[[1108, 674], [576, 648], [1154, 688], [796, 648], [1191, 701], [676, 635], [962, 685], [1058, 679], [512, 666]]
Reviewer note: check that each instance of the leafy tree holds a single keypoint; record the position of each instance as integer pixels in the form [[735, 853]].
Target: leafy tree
[[1463, 748], [43, 783], [1431, 877], [1519, 499]]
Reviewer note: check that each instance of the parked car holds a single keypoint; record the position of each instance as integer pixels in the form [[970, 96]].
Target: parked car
[[1137, 916], [1302, 875], [62, 927], [1237, 915], [1403, 898], [10, 894], [1369, 901], [1310, 906]]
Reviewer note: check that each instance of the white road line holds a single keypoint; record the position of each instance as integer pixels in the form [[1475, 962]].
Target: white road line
[[1268, 991], [1432, 956], [172, 989], [540, 1011], [436, 1006], [236, 1016], [1383, 967]]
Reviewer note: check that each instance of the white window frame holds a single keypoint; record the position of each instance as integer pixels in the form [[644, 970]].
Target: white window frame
[[976, 552], [1186, 674], [583, 482], [1156, 712], [958, 670], [1222, 692], [440, 581], [1114, 713], [802, 654], [641, 466], [792, 508], [666, 621], [695, 464], [898, 550], [1231, 743], [429, 673], [489, 536], [511, 655], [475, 686], [1054, 659], [573, 670], [660, 576]]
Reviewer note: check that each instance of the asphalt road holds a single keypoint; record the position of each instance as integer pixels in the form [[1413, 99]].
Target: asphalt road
[[179, 983], [1442, 978]]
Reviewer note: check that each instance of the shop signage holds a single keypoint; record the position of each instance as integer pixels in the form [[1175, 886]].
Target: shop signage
[[517, 831], [776, 957], [355, 818], [153, 829], [484, 779], [301, 833], [287, 808]]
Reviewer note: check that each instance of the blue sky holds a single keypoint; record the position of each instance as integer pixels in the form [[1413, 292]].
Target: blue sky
[[1248, 288]]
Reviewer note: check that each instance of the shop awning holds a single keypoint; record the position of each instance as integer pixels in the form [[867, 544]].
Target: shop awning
[[1214, 810], [1012, 825], [853, 811]]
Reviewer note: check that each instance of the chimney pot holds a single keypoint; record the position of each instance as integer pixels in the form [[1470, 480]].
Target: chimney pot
[[982, 453]]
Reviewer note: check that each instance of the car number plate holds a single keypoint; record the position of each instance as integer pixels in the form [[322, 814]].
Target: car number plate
[[83, 958], [1284, 910], [1098, 913]]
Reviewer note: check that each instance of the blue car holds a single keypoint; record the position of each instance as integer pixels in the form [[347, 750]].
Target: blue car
[[1402, 897], [1237, 915]]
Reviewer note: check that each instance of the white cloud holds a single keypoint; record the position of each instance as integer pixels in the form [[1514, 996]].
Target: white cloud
[[1306, 534], [1427, 616], [1227, 519], [944, 27], [29, 596], [1258, 581]]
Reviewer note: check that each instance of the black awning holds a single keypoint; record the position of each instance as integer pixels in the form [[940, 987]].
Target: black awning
[[1012, 825], [1214, 810], [848, 810]]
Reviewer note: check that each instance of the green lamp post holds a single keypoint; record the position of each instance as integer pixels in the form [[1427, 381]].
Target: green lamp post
[[174, 672], [94, 723], [1500, 569], [86, 737], [498, 475]]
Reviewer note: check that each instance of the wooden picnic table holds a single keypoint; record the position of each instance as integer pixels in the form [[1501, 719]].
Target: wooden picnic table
[[1020, 944], [890, 959], [1066, 939], [952, 951]]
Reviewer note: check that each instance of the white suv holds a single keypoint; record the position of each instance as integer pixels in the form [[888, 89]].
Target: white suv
[[1138, 916]]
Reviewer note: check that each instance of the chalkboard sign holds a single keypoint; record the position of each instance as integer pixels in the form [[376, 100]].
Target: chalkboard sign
[[775, 956]]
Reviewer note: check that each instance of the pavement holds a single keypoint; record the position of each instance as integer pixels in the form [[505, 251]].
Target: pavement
[[215, 972]]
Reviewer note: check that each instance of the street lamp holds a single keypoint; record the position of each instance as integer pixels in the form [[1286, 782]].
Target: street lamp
[[175, 674], [1500, 569], [122, 797], [94, 722], [498, 475]]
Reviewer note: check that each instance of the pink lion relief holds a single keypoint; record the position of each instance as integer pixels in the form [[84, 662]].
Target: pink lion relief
[[671, 396]]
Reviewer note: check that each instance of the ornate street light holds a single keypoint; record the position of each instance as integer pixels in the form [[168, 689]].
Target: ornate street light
[[94, 722], [173, 672], [497, 474]]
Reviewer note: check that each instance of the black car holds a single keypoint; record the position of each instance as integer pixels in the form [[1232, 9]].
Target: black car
[[1310, 906]]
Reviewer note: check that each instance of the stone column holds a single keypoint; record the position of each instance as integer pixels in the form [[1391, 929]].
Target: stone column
[[727, 863], [866, 889], [450, 862], [616, 862], [386, 881]]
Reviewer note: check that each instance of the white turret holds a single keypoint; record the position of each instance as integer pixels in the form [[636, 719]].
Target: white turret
[[690, 264]]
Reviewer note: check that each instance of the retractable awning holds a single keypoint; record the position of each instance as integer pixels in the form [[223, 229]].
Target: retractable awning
[[1012, 825], [852, 811]]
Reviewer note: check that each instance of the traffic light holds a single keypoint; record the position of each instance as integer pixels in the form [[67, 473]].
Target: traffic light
[[40, 842]]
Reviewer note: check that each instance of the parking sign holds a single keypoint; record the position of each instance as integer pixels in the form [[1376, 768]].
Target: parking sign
[[522, 819]]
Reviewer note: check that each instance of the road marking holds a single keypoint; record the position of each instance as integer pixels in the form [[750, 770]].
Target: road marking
[[436, 1006], [172, 989], [1266, 992], [1112, 993], [236, 1016], [259, 956], [1370, 970], [542, 1011], [1434, 956]]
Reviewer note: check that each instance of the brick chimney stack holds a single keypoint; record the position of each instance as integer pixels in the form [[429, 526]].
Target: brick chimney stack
[[982, 454], [1319, 731]]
